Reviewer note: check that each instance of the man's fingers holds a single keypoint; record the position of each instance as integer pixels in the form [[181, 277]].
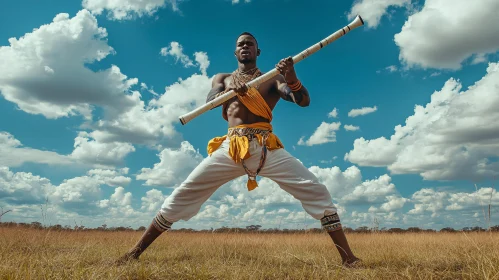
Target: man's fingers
[[240, 88], [280, 67], [284, 64], [241, 91], [241, 85], [286, 61]]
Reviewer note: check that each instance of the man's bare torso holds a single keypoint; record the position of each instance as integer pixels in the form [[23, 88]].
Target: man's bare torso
[[236, 113]]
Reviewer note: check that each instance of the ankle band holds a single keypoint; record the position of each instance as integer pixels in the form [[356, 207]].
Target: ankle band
[[161, 223], [331, 223]]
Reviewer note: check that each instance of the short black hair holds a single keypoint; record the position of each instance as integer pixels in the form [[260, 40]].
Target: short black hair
[[247, 33]]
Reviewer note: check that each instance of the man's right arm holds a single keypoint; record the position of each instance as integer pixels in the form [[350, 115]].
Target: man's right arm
[[217, 86]]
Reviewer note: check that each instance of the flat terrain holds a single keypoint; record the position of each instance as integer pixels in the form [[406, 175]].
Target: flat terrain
[[43, 254]]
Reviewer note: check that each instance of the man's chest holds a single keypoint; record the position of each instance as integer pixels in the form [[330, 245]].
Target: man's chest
[[267, 89]]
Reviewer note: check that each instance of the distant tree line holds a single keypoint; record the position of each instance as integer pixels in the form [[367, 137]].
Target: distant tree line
[[247, 229]]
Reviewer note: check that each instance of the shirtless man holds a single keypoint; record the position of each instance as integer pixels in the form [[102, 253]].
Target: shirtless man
[[251, 148], [246, 53]]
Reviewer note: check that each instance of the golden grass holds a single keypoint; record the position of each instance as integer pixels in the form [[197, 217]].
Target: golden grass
[[42, 254]]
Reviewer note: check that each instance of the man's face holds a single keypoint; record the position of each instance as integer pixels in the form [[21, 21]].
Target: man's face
[[246, 49]]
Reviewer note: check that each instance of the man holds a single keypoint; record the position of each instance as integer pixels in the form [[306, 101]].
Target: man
[[251, 148]]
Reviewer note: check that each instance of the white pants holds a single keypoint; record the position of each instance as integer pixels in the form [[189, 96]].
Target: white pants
[[219, 168]]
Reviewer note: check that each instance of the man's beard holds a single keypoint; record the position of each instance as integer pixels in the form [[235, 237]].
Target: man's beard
[[246, 60]]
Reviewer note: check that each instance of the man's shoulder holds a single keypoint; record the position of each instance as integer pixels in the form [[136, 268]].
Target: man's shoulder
[[221, 75], [219, 78]]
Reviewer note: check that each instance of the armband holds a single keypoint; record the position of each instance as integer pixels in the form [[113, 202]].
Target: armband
[[295, 86]]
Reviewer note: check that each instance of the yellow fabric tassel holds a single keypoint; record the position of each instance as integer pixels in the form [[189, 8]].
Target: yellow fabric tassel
[[215, 143], [252, 184]]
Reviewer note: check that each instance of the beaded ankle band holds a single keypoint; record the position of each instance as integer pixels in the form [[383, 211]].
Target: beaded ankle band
[[331, 223]]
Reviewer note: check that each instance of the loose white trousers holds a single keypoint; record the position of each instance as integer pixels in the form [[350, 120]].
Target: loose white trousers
[[219, 168]]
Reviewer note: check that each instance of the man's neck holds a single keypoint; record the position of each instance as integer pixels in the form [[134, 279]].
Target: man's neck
[[244, 67]]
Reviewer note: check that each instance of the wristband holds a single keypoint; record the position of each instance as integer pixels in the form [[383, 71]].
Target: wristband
[[295, 86]]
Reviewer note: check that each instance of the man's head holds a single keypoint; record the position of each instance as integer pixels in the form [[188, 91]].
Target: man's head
[[246, 48]]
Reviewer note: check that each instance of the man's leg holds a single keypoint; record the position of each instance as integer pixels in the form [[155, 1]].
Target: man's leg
[[187, 199], [297, 180], [147, 238]]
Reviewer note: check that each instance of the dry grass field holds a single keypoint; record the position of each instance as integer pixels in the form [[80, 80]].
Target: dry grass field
[[44, 254]]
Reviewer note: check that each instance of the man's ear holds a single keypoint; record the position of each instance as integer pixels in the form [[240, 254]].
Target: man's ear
[[258, 52]]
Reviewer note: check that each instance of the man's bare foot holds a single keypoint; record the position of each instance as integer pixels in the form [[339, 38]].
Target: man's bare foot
[[352, 263], [147, 238], [130, 256]]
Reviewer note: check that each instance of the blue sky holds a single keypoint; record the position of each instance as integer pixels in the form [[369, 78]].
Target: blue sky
[[91, 93]]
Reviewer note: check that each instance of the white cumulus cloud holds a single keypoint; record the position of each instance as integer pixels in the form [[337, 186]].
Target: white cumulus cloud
[[127, 9], [394, 203], [173, 168], [333, 114], [391, 68], [479, 199], [152, 201], [444, 36], [325, 133], [349, 127], [455, 136], [105, 154], [177, 51], [372, 11], [237, 1], [114, 178], [13, 154], [44, 71], [371, 191], [362, 111], [79, 195], [202, 60], [22, 187], [154, 122], [428, 200]]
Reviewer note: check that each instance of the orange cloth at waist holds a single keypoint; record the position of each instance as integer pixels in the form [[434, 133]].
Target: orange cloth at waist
[[240, 137]]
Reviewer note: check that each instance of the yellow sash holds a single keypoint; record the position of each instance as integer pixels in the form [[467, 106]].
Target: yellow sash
[[239, 145]]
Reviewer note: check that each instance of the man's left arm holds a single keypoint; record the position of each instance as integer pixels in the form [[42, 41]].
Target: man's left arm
[[289, 86]]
